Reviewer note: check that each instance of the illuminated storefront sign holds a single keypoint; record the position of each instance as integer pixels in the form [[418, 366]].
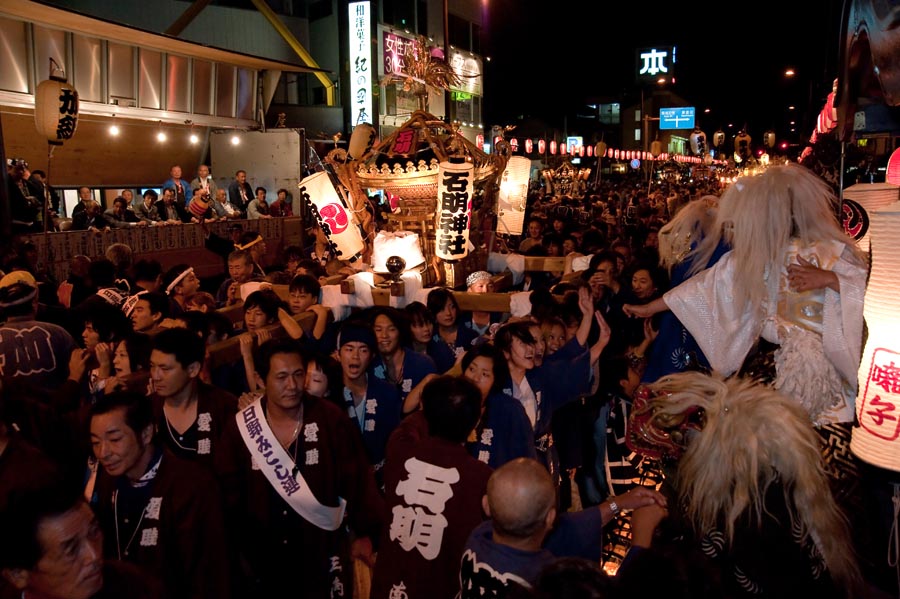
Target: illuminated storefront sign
[[469, 69], [654, 64], [396, 49], [361, 62]]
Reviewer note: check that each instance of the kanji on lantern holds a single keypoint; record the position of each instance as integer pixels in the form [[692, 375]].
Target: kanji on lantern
[[455, 190]]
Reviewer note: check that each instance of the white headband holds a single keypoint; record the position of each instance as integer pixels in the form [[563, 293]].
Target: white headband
[[178, 279]]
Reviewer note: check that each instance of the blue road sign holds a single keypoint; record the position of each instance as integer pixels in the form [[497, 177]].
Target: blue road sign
[[681, 117]]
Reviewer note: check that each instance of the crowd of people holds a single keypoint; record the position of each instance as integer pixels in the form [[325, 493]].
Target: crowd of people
[[179, 201], [427, 451]]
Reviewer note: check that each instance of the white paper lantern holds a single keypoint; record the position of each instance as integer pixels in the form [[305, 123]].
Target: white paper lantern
[[327, 207], [698, 142], [859, 201], [361, 140], [513, 195], [456, 186], [877, 438], [56, 110], [399, 243]]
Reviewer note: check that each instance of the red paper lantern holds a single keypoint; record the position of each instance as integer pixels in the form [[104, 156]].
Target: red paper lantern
[[616, 154], [479, 141], [893, 168], [542, 146], [562, 148], [581, 150], [553, 147], [529, 146], [590, 151], [514, 143]]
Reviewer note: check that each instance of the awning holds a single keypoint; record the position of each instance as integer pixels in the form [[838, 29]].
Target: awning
[[59, 18]]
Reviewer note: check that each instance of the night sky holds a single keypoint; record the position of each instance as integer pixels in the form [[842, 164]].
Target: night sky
[[731, 56]]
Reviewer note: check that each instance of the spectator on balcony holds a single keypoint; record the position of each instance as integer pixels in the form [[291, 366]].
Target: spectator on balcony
[[204, 181], [180, 188], [119, 216], [258, 208], [281, 206], [147, 210], [239, 192], [172, 212]]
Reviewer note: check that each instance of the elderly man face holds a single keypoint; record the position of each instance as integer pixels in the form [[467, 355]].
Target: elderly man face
[[220, 196], [168, 197], [71, 563]]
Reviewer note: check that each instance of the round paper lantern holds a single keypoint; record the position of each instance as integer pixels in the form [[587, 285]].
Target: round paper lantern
[[877, 438], [56, 110], [698, 142], [542, 146], [327, 207], [769, 138], [600, 149], [199, 205], [860, 201], [529, 146], [553, 147], [656, 148], [513, 195], [893, 168], [361, 140], [719, 138], [456, 186]]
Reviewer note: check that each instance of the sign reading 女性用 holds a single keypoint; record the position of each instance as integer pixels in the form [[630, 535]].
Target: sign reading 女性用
[[397, 51]]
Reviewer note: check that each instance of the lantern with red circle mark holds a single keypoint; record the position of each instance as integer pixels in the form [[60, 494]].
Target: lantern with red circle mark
[[331, 214], [514, 144]]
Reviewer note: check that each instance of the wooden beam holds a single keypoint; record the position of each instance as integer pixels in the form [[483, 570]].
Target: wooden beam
[[538, 263], [187, 17], [229, 351]]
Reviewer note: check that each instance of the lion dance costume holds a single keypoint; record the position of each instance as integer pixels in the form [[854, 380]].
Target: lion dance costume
[[751, 484]]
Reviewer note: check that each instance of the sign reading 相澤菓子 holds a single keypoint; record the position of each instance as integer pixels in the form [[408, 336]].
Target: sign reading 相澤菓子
[[360, 36]]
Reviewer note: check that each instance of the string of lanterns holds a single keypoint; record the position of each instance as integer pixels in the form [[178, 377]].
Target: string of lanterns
[[542, 146]]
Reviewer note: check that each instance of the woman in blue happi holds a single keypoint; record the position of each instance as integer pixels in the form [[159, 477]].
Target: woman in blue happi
[[451, 337], [544, 388], [503, 432], [395, 362]]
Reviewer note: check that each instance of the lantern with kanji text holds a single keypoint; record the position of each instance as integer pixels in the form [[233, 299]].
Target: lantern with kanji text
[[876, 439], [456, 187], [56, 108]]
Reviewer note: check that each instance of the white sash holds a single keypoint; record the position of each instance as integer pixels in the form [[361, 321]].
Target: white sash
[[278, 468]]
